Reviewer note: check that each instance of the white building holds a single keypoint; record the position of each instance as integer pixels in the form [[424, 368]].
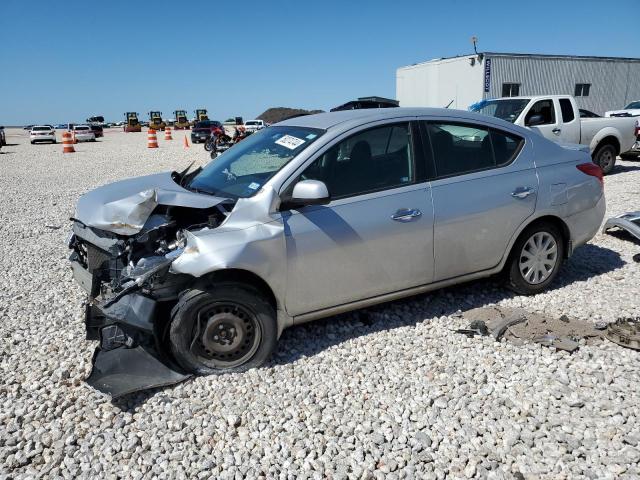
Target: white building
[[598, 83]]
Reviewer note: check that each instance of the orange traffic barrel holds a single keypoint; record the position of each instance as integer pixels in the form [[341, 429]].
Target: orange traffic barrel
[[67, 143], [152, 140], [186, 142], [167, 133]]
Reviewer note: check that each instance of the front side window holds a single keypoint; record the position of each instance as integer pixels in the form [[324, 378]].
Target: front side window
[[464, 148], [567, 110], [243, 169], [545, 109], [373, 160]]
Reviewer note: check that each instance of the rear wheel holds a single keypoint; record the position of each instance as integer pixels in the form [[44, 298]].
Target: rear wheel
[[535, 259], [605, 158], [231, 328]]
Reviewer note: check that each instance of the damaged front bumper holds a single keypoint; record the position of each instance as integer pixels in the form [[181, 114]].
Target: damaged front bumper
[[130, 356]]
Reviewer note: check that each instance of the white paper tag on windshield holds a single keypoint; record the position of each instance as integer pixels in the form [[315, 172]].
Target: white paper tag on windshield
[[290, 142]]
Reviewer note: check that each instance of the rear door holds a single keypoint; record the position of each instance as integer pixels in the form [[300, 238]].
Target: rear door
[[375, 236], [485, 185]]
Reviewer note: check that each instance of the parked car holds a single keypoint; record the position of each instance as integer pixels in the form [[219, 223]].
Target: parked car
[[631, 110], [315, 216], [557, 118], [588, 114], [83, 133], [255, 125], [97, 130], [202, 130], [42, 133]]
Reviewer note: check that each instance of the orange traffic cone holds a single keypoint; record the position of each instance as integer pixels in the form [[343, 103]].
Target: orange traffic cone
[[152, 140], [167, 133], [186, 142], [67, 143]]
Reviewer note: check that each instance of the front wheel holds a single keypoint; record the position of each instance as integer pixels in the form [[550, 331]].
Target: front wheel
[[535, 259], [230, 328], [210, 144], [605, 158]]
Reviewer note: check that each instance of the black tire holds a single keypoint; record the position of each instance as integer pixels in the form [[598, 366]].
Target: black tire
[[515, 277], [605, 158], [213, 154], [630, 156], [238, 313], [54, 142], [209, 144]]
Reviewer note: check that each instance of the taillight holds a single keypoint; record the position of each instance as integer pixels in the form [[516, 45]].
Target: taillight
[[593, 170]]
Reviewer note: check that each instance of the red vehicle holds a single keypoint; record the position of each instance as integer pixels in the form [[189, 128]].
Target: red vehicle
[[204, 129]]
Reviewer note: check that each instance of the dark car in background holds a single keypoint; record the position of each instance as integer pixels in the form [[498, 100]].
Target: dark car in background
[[203, 130], [97, 130]]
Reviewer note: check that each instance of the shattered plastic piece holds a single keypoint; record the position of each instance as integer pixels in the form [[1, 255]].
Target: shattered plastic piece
[[601, 325], [477, 327], [559, 343], [625, 332], [123, 370], [501, 327], [627, 221]]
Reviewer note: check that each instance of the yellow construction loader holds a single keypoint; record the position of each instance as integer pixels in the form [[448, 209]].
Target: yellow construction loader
[[132, 125], [155, 121], [182, 122]]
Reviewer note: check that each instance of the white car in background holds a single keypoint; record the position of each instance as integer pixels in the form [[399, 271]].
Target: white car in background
[[83, 133], [255, 125], [631, 110], [42, 133]]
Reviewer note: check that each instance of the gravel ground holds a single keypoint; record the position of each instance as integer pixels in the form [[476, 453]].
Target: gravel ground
[[390, 392]]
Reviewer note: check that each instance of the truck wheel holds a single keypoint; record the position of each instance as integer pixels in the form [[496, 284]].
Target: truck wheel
[[535, 259], [231, 328], [605, 158]]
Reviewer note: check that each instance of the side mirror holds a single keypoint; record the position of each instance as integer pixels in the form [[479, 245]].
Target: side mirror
[[308, 192], [535, 120]]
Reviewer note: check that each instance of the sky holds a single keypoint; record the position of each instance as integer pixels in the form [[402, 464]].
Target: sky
[[63, 61]]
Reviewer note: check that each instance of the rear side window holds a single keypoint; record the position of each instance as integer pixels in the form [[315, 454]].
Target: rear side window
[[464, 148], [567, 110]]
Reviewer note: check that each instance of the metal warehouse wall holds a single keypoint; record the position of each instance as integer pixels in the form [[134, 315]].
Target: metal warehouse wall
[[438, 82], [614, 83]]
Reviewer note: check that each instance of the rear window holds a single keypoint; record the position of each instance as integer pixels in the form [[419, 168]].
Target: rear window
[[41, 129], [82, 128]]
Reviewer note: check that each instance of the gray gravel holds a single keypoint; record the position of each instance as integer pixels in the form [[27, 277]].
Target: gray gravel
[[390, 392]]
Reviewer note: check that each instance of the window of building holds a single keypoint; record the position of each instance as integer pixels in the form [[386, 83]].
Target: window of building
[[376, 159], [510, 89], [460, 149], [567, 110], [582, 90]]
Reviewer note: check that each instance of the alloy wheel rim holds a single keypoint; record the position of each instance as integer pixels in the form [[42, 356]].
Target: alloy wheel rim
[[538, 258], [605, 159]]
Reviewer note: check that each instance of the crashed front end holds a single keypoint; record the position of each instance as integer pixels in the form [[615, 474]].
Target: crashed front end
[[124, 266]]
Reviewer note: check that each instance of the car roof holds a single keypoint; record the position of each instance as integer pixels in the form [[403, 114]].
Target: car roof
[[345, 119]]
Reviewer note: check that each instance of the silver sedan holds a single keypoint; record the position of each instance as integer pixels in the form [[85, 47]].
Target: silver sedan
[[315, 216]]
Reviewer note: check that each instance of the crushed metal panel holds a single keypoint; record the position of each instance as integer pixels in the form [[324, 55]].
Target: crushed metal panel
[[627, 221]]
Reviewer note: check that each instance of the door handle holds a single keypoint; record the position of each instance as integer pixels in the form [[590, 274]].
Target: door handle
[[522, 192], [556, 131], [406, 214]]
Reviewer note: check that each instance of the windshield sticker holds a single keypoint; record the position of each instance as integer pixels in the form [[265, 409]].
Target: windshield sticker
[[311, 136], [254, 185], [290, 142]]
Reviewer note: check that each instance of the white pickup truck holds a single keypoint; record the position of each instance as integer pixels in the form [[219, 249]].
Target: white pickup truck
[[557, 117]]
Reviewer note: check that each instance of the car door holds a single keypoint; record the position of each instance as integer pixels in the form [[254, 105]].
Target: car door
[[375, 236], [484, 187], [550, 127], [570, 128]]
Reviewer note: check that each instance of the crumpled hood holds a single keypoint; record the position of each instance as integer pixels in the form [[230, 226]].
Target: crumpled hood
[[123, 207]]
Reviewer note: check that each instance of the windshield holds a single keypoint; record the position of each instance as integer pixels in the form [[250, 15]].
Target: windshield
[[242, 170], [633, 105], [508, 110]]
